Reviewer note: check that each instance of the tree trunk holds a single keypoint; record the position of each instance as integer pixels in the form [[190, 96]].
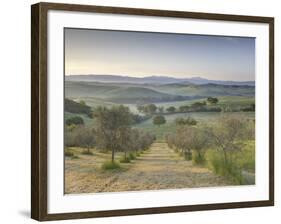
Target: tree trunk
[[125, 155], [88, 149]]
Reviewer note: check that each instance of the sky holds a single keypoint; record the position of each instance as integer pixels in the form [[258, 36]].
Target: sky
[[140, 54]]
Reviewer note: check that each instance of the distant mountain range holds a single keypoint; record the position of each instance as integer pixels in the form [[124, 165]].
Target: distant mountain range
[[161, 80]]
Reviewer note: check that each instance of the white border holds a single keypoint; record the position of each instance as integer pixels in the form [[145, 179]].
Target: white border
[[60, 203]]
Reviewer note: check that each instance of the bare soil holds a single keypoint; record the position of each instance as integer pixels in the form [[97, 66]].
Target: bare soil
[[158, 168]]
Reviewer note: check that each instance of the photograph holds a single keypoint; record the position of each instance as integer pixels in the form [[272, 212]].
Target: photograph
[[157, 111]]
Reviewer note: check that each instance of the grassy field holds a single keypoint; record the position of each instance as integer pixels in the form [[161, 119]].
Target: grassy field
[[125, 91], [241, 163], [170, 126], [232, 101]]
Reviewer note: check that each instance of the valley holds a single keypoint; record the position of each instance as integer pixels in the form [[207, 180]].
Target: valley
[[158, 116]]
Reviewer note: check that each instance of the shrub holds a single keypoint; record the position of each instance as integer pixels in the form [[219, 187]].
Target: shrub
[[75, 120], [246, 158], [212, 100], [198, 158], [132, 156], [228, 168], [240, 165], [75, 157], [109, 165], [188, 121], [125, 160], [188, 155]]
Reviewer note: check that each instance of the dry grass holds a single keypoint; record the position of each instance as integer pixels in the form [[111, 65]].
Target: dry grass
[[158, 168]]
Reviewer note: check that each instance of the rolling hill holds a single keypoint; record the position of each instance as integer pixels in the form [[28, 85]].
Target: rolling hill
[[207, 90], [78, 108], [151, 93], [151, 80], [119, 93]]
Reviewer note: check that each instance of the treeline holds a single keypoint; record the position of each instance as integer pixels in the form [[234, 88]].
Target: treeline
[[136, 118], [77, 108], [113, 133], [224, 140], [208, 105], [194, 107], [234, 108], [185, 121], [82, 108]]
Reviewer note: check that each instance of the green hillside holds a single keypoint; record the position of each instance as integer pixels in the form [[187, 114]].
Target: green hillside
[[207, 90], [78, 108], [118, 93], [88, 89], [125, 93]]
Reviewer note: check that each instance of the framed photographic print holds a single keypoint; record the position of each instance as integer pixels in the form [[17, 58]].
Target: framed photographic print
[[140, 111]]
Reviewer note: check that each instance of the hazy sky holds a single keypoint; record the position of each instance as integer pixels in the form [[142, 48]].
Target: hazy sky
[[145, 54]]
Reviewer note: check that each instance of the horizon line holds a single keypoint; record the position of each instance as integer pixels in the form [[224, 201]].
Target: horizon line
[[190, 77]]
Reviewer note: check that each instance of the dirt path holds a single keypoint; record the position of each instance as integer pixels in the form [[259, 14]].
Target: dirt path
[[159, 168]]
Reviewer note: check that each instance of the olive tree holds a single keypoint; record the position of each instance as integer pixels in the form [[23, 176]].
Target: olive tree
[[226, 133], [182, 141], [85, 137], [110, 122], [124, 142], [69, 136], [188, 139], [159, 120], [199, 141], [212, 100], [134, 140], [171, 109]]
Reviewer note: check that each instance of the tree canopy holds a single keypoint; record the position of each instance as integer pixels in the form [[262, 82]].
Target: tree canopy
[[76, 120], [159, 120], [78, 108], [212, 100], [110, 124], [185, 121], [171, 109]]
